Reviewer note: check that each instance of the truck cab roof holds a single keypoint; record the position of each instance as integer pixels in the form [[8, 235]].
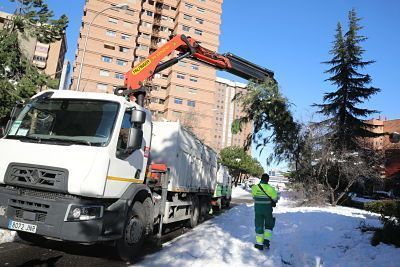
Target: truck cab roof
[[85, 95]]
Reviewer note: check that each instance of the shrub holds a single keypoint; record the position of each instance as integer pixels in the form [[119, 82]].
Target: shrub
[[390, 215], [390, 208]]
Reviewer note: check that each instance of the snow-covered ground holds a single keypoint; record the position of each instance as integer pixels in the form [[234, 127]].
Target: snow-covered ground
[[303, 236]]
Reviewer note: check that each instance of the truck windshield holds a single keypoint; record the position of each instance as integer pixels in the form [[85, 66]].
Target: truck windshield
[[66, 121]]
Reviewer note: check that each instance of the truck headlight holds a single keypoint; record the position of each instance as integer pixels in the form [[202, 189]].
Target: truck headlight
[[83, 213]]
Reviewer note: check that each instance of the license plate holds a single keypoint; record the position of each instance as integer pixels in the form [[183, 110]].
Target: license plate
[[19, 226]]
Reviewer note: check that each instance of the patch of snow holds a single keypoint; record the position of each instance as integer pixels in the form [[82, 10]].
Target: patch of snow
[[303, 236], [7, 236], [238, 192]]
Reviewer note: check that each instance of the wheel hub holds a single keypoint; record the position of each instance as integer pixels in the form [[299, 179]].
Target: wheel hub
[[134, 231]]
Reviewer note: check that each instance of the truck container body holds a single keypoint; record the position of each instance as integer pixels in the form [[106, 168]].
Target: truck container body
[[192, 164]]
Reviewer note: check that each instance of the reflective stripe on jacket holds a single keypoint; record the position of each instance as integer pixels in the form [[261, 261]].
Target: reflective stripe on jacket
[[260, 197]]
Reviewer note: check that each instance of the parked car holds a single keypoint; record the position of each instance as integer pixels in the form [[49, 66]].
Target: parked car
[[382, 195]]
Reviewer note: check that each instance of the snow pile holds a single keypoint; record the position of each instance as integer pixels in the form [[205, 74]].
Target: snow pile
[[6, 236], [240, 192], [303, 236]]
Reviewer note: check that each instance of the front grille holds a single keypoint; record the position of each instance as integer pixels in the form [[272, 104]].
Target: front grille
[[29, 205], [40, 216], [44, 195], [36, 176]]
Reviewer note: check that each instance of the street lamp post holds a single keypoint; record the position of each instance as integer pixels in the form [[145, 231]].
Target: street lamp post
[[119, 6]]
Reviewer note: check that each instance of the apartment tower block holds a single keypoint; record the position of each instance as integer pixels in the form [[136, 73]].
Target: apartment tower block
[[118, 38]]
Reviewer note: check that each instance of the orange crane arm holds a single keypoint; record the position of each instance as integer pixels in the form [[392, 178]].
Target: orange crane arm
[[188, 47]]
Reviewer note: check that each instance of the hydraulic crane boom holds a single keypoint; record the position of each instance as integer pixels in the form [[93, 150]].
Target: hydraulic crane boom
[[188, 47]]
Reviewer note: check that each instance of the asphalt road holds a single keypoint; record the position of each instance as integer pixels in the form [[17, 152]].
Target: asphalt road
[[54, 253]]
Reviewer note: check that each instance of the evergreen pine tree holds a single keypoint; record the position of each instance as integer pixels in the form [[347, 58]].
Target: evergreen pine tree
[[345, 118]]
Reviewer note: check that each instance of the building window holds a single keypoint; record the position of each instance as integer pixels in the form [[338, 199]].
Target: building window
[[187, 17], [199, 21], [194, 67], [125, 37], [192, 91], [102, 87], [180, 76], [149, 13], [143, 47], [201, 1], [200, 10], [104, 73], [108, 46], [113, 20], [193, 79], [188, 6], [123, 49], [178, 101], [198, 32], [185, 28], [119, 76], [145, 36], [191, 103], [176, 114], [145, 24], [106, 59], [122, 62], [128, 24], [182, 64], [39, 58], [130, 12], [111, 33]]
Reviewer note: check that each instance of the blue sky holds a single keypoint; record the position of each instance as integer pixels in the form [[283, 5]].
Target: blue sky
[[292, 38]]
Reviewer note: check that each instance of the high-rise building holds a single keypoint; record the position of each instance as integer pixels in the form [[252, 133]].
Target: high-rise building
[[226, 111], [117, 38], [48, 58]]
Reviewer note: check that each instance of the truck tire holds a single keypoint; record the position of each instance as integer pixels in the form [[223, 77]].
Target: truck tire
[[31, 238], [129, 246], [149, 215], [195, 212]]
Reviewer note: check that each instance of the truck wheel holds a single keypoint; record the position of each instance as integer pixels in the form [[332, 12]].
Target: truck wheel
[[31, 238], [134, 231], [195, 212], [149, 215]]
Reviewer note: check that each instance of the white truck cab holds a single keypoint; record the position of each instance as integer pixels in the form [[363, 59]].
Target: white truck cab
[[65, 162]]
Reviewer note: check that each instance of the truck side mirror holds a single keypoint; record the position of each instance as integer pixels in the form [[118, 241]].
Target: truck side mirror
[[394, 137], [2, 131], [135, 138], [138, 116]]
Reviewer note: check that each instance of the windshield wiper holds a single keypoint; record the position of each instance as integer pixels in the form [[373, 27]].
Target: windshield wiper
[[83, 142], [25, 137]]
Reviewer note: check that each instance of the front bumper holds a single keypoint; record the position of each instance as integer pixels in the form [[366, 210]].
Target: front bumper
[[50, 209]]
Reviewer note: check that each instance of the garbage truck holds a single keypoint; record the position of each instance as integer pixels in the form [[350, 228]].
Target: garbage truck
[[75, 165]]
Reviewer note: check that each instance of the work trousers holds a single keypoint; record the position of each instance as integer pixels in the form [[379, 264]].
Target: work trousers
[[264, 223]]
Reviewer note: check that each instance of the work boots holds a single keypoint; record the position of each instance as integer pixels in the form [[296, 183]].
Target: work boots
[[259, 247]]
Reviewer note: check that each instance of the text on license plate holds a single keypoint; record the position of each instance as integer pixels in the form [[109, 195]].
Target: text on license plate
[[26, 227]]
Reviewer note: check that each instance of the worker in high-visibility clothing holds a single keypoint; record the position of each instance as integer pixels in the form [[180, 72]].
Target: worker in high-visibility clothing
[[265, 198]]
